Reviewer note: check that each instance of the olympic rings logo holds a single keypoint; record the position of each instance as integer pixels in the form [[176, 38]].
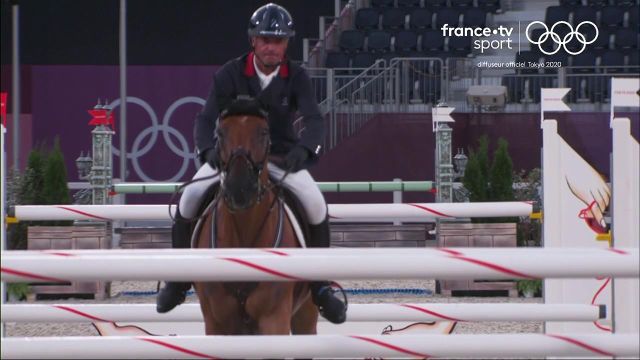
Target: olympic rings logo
[[139, 151], [562, 42]]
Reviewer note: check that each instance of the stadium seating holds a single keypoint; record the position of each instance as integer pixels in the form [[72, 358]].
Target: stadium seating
[[351, 40], [379, 41], [366, 19], [420, 19], [393, 19]]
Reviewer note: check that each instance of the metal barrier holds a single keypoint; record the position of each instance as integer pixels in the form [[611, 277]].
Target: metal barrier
[[333, 88], [349, 97]]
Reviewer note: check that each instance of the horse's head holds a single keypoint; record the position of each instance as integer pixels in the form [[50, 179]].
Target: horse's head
[[243, 143]]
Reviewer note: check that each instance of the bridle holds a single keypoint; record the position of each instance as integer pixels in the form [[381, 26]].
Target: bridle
[[242, 154]]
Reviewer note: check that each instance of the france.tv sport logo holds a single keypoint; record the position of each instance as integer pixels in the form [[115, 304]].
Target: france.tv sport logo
[[560, 40], [561, 35]]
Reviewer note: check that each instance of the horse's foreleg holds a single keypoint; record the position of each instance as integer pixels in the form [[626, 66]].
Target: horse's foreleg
[[305, 320]]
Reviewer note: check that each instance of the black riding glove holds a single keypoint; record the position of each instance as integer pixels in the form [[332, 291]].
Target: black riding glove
[[212, 158], [295, 159]]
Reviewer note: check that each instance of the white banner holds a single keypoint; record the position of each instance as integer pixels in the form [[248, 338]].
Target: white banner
[[441, 114], [552, 99], [625, 92]]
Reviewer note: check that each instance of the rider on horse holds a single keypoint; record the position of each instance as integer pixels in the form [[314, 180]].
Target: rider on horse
[[283, 88]]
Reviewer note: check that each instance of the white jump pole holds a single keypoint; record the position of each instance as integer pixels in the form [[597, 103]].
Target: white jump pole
[[396, 251], [323, 346], [82, 313], [389, 251], [419, 212], [210, 267]]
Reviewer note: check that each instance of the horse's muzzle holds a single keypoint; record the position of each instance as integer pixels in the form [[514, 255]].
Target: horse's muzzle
[[241, 187]]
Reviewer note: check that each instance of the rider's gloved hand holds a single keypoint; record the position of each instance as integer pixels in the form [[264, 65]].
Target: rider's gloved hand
[[295, 159]]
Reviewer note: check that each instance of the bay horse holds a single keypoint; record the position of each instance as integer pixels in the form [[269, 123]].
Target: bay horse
[[247, 212]]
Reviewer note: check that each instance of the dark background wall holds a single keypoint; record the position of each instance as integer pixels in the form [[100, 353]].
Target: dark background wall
[[160, 32]]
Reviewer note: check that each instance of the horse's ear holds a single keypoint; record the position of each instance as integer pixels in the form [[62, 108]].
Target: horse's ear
[[245, 105]]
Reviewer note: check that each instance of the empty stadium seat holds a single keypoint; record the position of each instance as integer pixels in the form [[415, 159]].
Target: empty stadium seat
[[387, 57], [633, 61], [381, 3], [408, 3], [474, 17], [584, 13], [337, 59], [584, 62], [626, 39], [363, 60], [435, 4], [613, 61], [602, 43], [626, 3], [612, 17], [633, 18], [406, 41], [554, 14], [379, 41], [420, 19], [351, 40], [459, 46], [584, 87], [447, 16], [571, 3], [432, 40], [522, 89], [393, 19], [597, 3], [461, 3], [366, 19], [492, 6]]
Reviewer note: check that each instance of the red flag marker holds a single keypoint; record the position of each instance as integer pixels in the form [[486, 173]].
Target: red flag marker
[[99, 117], [3, 108]]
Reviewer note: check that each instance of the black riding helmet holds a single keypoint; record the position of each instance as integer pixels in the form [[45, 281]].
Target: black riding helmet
[[271, 20]]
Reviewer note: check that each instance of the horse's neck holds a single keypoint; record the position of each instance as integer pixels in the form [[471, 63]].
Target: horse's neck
[[253, 227]]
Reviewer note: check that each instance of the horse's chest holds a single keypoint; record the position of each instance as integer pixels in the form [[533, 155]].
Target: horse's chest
[[240, 290]]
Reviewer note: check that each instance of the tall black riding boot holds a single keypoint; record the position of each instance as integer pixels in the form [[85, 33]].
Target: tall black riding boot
[[329, 305], [174, 293]]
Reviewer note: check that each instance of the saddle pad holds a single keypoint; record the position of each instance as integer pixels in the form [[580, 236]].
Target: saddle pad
[[296, 226]]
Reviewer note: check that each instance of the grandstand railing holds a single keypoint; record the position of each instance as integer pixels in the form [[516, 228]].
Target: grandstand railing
[[350, 97], [333, 89], [590, 84], [406, 85]]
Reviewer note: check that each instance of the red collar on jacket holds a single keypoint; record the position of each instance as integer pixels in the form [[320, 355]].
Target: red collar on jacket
[[250, 70]]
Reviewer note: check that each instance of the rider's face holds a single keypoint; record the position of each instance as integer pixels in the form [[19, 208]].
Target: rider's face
[[269, 50]]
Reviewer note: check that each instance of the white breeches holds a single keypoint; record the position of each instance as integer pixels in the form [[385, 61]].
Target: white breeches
[[301, 184]]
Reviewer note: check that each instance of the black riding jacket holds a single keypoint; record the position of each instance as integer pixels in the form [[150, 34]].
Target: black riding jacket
[[288, 92]]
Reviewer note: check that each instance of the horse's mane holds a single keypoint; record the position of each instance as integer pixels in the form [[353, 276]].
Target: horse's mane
[[244, 106]]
